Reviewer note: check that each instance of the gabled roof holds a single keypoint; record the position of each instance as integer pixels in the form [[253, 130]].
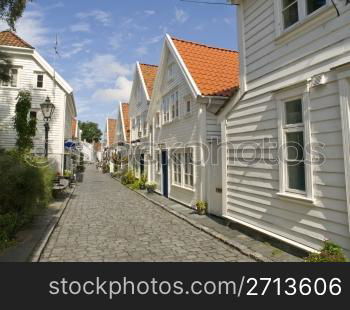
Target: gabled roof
[[9, 38], [149, 73], [124, 110], [111, 131], [215, 71]]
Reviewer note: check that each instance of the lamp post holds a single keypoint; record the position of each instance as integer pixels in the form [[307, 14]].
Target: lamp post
[[47, 108]]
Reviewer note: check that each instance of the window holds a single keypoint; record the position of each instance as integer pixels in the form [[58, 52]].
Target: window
[[158, 163], [165, 109], [177, 168], [171, 72], [294, 11], [40, 80], [290, 12], [157, 119], [13, 79], [188, 106], [144, 127], [32, 115], [313, 5], [188, 168], [294, 143], [175, 105]]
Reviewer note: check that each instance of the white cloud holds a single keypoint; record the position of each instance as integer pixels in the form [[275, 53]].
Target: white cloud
[[181, 16], [149, 12], [80, 27], [121, 92], [31, 28], [75, 48], [100, 69], [141, 51], [228, 21], [101, 16]]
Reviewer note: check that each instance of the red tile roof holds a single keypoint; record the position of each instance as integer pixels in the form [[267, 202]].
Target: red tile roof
[[112, 131], [149, 73], [74, 128], [9, 38], [215, 70], [126, 120]]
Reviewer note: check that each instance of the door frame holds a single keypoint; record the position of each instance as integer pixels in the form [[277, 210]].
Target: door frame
[[165, 172]]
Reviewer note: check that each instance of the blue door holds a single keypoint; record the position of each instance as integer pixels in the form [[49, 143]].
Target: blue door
[[165, 173]]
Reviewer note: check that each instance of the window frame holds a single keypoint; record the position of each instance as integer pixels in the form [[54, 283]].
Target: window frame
[[189, 175], [302, 94], [177, 168], [303, 16], [37, 74], [9, 83], [158, 162]]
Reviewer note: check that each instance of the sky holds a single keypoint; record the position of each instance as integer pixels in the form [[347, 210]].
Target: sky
[[101, 40]]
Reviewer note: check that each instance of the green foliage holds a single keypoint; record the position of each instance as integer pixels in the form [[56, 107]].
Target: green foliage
[[5, 66], [105, 168], [25, 188], [128, 178], [201, 206], [90, 132], [25, 128], [12, 10], [331, 253], [143, 181], [67, 173]]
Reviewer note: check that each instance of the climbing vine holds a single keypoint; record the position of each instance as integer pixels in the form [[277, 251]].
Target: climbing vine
[[25, 126]]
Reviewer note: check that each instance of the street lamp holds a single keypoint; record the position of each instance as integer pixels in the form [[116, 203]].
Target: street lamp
[[47, 108]]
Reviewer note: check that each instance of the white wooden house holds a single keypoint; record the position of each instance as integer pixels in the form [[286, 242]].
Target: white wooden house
[[31, 72], [193, 82], [286, 165], [123, 134], [110, 142], [138, 110]]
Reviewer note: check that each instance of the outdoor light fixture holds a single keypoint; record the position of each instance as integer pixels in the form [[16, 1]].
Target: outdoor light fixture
[[47, 108]]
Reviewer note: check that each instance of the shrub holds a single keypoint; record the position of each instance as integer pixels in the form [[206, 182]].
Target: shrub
[[25, 187], [201, 206], [128, 178], [151, 186], [331, 253]]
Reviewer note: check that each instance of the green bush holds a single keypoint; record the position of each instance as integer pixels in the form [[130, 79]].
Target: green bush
[[128, 178], [25, 187], [331, 253]]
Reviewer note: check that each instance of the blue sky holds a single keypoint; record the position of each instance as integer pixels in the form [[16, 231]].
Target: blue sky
[[100, 41]]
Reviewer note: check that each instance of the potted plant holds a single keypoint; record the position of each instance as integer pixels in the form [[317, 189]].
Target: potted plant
[[151, 187], [201, 207], [142, 182]]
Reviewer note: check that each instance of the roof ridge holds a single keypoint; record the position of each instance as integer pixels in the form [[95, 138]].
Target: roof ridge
[[205, 45], [18, 37], [143, 64]]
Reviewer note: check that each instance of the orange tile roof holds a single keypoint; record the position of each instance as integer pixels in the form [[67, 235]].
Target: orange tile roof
[[112, 131], [9, 38], [74, 128], [215, 70], [125, 111], [149, 73]]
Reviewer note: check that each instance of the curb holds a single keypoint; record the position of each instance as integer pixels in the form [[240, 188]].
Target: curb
[[40, 247], [234, 244]]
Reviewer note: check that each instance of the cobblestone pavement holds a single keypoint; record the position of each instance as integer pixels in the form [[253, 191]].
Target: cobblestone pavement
[[105, 221]]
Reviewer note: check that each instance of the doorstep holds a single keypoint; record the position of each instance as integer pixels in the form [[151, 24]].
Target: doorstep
[[31, 241], [257, 247]]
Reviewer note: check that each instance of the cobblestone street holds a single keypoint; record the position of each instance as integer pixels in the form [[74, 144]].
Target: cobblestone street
[[106, 222]]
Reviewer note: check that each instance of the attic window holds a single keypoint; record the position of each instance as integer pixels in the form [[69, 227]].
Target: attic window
[[171, 72], [13, 79], [40, 80]]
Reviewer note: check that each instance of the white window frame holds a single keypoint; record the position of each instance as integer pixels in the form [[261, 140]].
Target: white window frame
[[175, 110], [165, 110], [9, 83], [177, 168], [302, 14], [36, 80], [186, 100], [158, 119], [171, 72], [301, 93], [186, 185]]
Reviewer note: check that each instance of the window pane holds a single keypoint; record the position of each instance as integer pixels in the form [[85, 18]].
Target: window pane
[[294, 112], [14, 74], [295, 146], [313, 5], [296, 175], [40, 81], [290, 13]]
